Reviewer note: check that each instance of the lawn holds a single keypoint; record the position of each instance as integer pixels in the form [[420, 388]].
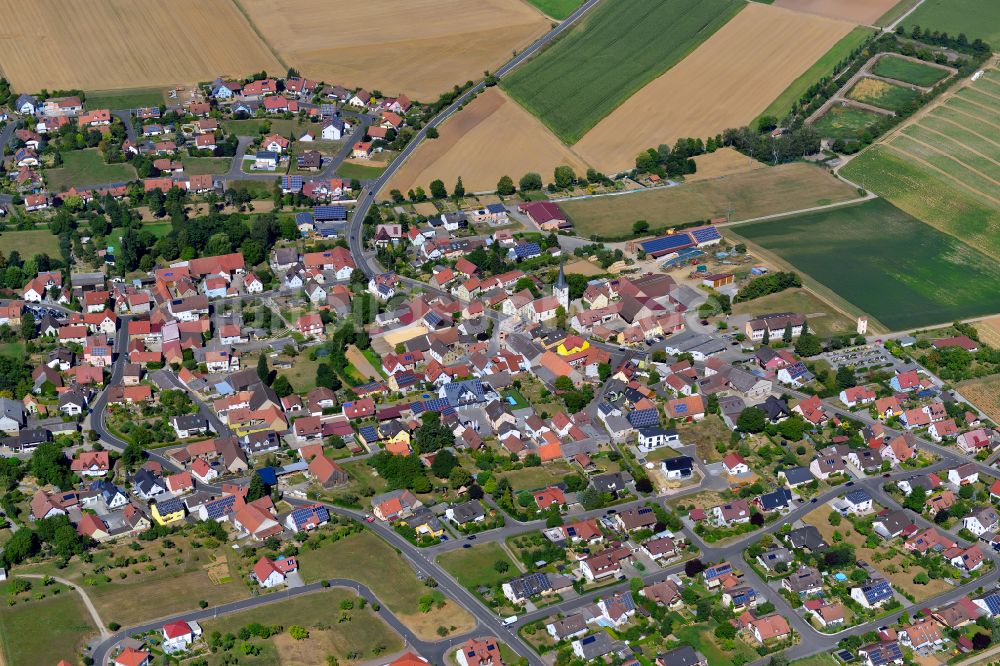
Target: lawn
[[557, 9], [532, 478], [701, 638], [746, 195], [823, 67], [198, 166], [66, 626], [124, 99], [519, 401], [86, 168], [921, 191], [331, 631], [883, 95], [474, 566], [823, 319], [620, 47], [845, 122], [12, 349], [392, 581], [978, 19], [821, 659], [352, 171], [258, 189], [29, 243], [302, 374], [931, 277], [290, 128], [901, 69]]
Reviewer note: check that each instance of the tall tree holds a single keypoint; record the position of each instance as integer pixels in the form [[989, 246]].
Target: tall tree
[[263, 373]]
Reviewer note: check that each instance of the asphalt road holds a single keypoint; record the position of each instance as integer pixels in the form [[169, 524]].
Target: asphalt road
[[367, 196]]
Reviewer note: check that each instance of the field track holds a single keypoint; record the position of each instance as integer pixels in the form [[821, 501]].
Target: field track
[[116, 44], [421, 47], [492, 137], [866, 12], [750, 62]]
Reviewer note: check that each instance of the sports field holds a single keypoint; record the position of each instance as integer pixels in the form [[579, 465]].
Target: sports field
[[489, 138], [782, 105], [866, 12], [903, 69], [116, 44], [845, 122], [421, 47], [747, 195], [901, 271], [617, 49], [944, 168], [883, 95], [749, 62], [976, 18]]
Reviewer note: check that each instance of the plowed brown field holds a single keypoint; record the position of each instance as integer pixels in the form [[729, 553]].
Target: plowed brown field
[[114, 44], [726, 82], [857, 11], [491, 137], [420, 47]]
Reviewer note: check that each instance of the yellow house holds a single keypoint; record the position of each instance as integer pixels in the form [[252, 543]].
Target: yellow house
[[168, 511], [573, 344]]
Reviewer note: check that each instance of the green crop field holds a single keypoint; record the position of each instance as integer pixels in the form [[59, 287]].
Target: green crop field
[[906, 70], [901, 271], [620, 47], [845, 122], [978, 19], [557, 9], [781, 107], [883, 95], [85, 168], [124, 99]]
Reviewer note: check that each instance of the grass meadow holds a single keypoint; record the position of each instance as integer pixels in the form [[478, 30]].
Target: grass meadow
[[978, 19], [883, 95], [845, 122], [902, 69], [85, 168], [620, 47], [903, 272]]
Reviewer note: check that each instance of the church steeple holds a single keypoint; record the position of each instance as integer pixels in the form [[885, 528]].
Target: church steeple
[[561, 288]]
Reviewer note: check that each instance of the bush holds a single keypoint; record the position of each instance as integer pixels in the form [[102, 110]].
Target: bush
[[297, 632]]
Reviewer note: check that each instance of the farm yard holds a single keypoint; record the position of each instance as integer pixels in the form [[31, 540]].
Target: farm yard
[[866, 12], [134, 37], [944, 167], [883, 95], [490, 138], [903, 69], [845, 122], [978, 19], [610, 55], [782, 105], [751, 61], [752, 194], [932, 277], [422, 51]]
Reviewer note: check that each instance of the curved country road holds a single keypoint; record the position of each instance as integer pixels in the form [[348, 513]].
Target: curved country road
[[435, 651]]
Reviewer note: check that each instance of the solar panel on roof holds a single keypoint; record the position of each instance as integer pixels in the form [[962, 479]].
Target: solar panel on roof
[[221, 507], [418, 408], [436, 405], [993, 603], [329, 213], [705, 234], [369, 433], [666, 244], [644, 417]]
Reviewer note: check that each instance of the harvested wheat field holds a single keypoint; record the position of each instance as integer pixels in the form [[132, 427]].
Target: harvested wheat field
[[989, 331], [421, 47], [726, 82], [857, 11], [491, 137], [984, 393], [723, 162], [117, 44]]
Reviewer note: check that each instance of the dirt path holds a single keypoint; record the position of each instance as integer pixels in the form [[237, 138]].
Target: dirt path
[[83, 595], [361, 364]]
